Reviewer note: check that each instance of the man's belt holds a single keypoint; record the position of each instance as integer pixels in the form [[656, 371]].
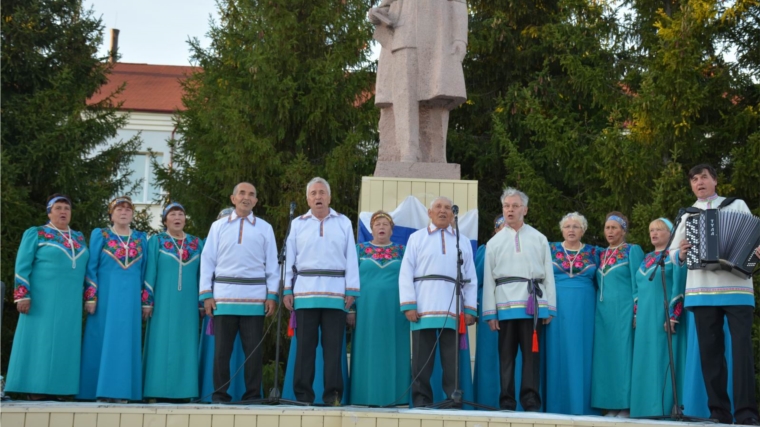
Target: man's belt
[[315, 273], [431, 277], [240, 280], [532, 283]]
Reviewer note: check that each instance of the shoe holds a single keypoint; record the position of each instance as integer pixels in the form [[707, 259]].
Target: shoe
[[721, 417], [625, 413], [611, 413], [751, 421]]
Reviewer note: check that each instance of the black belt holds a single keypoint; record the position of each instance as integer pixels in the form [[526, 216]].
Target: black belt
[[240, 280], [316, 273], [533, 284], [439, 277]]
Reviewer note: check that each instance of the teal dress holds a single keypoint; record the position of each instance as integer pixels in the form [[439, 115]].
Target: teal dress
[[651, 391], [170, 356], [380, 349], [46, 352], [111, 362], [570, 335], [613, 327]]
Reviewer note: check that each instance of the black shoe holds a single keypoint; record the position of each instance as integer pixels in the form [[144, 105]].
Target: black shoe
[[721, 417], [751, 421]]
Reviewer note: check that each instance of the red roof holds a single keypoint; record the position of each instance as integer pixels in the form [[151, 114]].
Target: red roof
[[149, 88]]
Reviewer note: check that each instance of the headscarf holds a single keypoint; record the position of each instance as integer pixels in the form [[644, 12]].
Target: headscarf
[[225, 212], [380, 214], [667, 223], [55, 200], [118, 201], [498, 222], [620, 221], [168, 208]]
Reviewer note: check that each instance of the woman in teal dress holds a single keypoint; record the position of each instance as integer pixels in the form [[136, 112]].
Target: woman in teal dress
[[236, 388], [50, 269], [487, 382], [651, 389], [570, 336], [380, 361], [613, 323], [170, 355], [111, 363]]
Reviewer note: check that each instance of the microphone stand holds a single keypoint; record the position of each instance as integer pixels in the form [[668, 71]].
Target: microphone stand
[[275, 397], [456, 400], [676, 412]]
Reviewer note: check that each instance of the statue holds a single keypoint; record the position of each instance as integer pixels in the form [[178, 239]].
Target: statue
[[419, 77]]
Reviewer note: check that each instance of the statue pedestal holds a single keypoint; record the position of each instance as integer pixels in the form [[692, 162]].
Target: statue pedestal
[[384, 193], [418, 170]]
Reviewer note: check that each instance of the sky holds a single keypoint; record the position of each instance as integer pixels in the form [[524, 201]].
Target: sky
[[154, 31]]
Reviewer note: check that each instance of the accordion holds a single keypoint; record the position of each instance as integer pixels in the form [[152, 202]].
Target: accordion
[[722, 239]]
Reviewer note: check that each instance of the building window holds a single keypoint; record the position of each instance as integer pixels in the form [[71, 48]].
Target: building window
[[142, 174]]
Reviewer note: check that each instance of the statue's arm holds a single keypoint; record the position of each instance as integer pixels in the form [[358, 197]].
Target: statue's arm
[[458, 14]]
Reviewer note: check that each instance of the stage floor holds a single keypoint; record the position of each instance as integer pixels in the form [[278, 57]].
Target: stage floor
[[50, 414]]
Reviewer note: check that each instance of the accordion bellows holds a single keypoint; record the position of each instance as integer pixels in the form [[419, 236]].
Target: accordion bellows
[[723, 239]]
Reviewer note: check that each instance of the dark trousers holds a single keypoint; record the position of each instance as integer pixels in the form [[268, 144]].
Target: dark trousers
[[423, 345], [333, 326], [709, 323], [514, 333], [226, 328]]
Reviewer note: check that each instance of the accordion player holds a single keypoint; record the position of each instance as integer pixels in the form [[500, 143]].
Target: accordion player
[[722, 239]]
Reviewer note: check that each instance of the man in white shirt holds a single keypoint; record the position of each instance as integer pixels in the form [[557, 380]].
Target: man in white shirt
[[321, 283], [238, 287], [517, 274], [713, 295], [427, 286]]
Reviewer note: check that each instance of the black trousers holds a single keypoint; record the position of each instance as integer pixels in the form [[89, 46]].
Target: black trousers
[[423, 345], [709, 323], [333, 326], [226, 328], [514, 333]]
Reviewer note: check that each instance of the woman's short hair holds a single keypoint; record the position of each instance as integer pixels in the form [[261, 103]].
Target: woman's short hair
[[574, 216]]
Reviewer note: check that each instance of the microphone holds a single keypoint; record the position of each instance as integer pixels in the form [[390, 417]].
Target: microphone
[[455, 209], [292, 208]]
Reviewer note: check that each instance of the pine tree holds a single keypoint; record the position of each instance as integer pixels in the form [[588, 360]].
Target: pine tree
[[284, 95], [52, 141]]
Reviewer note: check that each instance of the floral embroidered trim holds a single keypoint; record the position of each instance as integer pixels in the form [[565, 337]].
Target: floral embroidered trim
[[382, 255], [583, 259], [114, 248]]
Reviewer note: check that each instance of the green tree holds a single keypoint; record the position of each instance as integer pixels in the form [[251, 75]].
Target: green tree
[[52, 141], [284, 95]]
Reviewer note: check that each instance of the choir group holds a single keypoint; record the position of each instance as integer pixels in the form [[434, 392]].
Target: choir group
[[562, 327]]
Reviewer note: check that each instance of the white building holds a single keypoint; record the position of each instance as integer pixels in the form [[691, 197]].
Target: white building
[[151, 96]]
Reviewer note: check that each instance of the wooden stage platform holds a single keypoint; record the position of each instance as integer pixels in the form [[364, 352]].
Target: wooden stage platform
[[49, 414]]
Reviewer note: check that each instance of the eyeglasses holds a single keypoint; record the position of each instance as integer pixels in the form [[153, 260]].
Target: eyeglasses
[[515, 207], [572, 227]]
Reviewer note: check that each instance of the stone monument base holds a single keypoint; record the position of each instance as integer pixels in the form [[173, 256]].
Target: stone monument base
[[418, 170]]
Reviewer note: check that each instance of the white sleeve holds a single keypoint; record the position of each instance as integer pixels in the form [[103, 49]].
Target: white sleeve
[[208, 263], [489, 285], [291, 251], [551, 292], [407, 294], [470, 289], [272, 272], [352, 263]]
